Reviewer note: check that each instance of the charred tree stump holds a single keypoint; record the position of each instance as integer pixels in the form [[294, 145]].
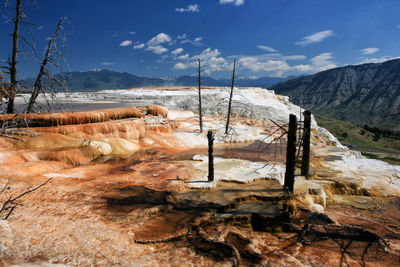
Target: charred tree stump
[[210, 138], [291, 153], [305, 164]]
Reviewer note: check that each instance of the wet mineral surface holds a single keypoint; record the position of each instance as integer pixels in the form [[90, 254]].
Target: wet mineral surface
[[133, 192]]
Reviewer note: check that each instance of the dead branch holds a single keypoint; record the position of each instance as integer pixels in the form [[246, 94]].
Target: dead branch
[[280, 127], [9, 205], [48, 57]]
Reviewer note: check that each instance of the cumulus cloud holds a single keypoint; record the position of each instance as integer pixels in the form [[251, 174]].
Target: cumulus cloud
[[211, 61], [266, 48], [177, 51], [315, 38], [157, 49], [207, 54], [236, 2], [369, 50], [183, 57], [180, 66], [189, 8], [126, 43], [276, 65], [159, 39], [139, 46], [273, 67]]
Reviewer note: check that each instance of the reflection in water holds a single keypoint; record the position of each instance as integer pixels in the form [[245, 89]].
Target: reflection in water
[[257, 151]]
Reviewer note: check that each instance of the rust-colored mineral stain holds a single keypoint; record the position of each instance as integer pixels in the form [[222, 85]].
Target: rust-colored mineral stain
[[103, 203], [165, 226]]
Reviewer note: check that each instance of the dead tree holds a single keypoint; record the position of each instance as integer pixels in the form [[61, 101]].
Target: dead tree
[[230, 98], [200, 108], [305, 164], [48, 57], [13, 62], [210, 138], [291, 153], [53, 59]]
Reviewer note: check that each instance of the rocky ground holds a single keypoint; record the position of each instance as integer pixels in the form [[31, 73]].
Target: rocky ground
[[133, 190]]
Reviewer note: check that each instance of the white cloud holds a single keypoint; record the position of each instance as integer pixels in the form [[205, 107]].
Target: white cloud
[[273, 67], [139, 46], [158, 49], [323, 62], [159, 39], [189, 8], [369, 50], [315, 38], [108, 63], [207, 54], [183, 57], [266, 48], [295, 57], [126, 43], [276, 65], [195, 42], [377, 60], [180, 66], [132, 33], [183, 36], [177, 51], [236, 2]]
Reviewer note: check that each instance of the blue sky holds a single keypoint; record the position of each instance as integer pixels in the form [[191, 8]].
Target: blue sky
[[275, 38]]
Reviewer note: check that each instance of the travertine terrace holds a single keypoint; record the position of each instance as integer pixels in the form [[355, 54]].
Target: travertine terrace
[[129, 187]]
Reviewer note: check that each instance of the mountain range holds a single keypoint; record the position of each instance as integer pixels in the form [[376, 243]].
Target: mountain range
[[99, 79], [361, 94]]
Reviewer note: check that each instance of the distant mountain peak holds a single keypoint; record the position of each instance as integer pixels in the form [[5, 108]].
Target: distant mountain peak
[[362, 94], [99, 69]]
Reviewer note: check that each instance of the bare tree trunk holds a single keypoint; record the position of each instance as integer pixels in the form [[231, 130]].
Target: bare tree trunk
[[38, 83], [230, 98], [13, 69], [291, 153], [210, 138], [305, 165], [200, 109]]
